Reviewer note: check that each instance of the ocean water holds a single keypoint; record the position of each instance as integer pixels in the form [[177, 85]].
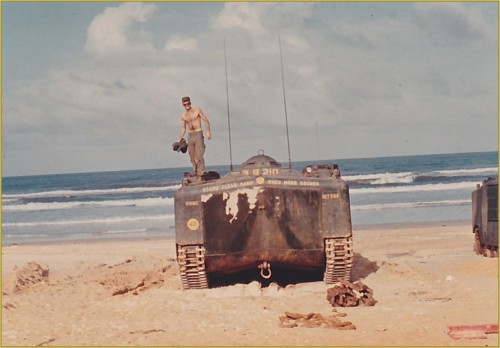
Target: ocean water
[[140, 203]]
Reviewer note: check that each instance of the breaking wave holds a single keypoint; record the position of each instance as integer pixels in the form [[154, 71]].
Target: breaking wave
[[411, 205], [35, 206], [73, 193], [110, 220], [415, 188]]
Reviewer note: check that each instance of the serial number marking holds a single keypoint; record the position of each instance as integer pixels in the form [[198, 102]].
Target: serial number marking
[[261, 171], [229, 186], [293, 182], [260, 181], [330, 196]]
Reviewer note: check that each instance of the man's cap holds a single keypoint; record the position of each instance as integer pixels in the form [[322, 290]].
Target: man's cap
[[185, 99]]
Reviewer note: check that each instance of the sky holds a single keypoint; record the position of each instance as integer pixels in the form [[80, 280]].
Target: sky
[[97, 86]]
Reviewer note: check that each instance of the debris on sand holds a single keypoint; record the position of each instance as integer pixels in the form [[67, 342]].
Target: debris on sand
[[290, 320], [349, 294], [472, 331], [32, 273]]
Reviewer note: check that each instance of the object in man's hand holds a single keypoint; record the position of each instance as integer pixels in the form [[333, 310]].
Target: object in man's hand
[[183, 146], [180, 146]]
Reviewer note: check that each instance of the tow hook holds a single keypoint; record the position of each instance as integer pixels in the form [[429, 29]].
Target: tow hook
[[263, 267]]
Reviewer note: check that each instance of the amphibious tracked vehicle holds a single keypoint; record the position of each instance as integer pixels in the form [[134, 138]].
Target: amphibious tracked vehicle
[[263, 217], [485, 217]]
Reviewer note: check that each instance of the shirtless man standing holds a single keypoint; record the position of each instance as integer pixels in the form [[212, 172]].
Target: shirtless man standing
[[191, 118]]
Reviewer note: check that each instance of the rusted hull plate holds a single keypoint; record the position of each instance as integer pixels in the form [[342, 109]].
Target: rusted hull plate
[[292, 259]]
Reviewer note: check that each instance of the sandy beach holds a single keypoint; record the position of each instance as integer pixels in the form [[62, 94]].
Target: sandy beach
[[129, 293]]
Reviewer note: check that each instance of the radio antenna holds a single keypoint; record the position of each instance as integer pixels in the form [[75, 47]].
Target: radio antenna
[[317, 141], [228, 118], [284, 103]]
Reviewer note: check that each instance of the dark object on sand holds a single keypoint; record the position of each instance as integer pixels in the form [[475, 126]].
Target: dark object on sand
[[180, 146], [485, 218], [347, 294], [261, 216]]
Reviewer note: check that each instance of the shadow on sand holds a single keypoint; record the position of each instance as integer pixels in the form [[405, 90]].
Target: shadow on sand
[[362, 267]]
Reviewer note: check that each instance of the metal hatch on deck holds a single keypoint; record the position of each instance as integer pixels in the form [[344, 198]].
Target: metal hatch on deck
[[260, 161]]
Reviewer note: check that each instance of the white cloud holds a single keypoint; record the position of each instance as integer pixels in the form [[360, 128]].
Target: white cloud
[[112, 31], [178, 43], [244, 16], [452, 22], [264, 20], [295, 41]]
